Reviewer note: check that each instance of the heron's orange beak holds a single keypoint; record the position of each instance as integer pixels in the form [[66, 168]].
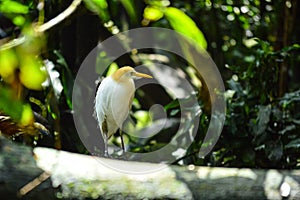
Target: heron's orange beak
[[142, 75]]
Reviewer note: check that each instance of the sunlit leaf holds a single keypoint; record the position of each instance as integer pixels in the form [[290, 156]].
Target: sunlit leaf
[[15, 108], [8, 6], [143, 118], [160, 3], [112, 68], [31, 73], [8, 64], [185, 25], [32, 44], [250, 42], [19, 20], [27, 116], [101, 3], [100, 7], [296, 46], [153, 13]]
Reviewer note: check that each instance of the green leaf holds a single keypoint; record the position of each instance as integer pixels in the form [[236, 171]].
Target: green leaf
[[287, 129], [172, 104], [15, 108], [291, 48], [183, 24], [293, 144], [174, 112], [100, 7], [129, 6], [101, 3], [8, 6], [235, 86], [274, 150], [296, 46], [263, 119], [289, 98], [67, 78], [229, 8]]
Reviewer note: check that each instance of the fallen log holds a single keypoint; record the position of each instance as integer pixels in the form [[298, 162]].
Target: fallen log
[[52, 174]]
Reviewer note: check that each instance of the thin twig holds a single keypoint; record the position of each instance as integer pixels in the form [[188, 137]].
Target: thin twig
[[41, 8], [33, 184], [13, 43], [59, 18], [184, 157]]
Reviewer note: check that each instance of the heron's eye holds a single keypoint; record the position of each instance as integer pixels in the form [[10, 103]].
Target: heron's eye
[[132, 73]]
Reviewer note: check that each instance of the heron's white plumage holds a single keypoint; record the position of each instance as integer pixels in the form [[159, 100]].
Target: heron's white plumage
[[113, 101]]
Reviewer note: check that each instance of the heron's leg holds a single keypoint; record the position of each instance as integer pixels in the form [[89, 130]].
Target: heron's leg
[[122, 141], [105, 146], [104, 131]]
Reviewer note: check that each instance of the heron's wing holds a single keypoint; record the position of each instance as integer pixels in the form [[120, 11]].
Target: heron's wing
[[97, 83], [130, 101], [101, 102], [104, 126]]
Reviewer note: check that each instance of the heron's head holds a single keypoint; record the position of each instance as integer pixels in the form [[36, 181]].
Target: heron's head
[[126, 73]]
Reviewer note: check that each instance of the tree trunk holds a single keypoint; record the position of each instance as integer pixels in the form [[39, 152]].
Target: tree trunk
[[286, 22], [75, 176]]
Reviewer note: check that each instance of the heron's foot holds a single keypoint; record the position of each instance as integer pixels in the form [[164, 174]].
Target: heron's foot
[[100, 155], [106, 155], [121, 155]]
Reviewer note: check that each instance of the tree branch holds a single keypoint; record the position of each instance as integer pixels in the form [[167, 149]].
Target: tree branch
[[44, 27]]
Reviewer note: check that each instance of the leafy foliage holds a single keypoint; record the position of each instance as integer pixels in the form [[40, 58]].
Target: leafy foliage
[[261, 123]]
